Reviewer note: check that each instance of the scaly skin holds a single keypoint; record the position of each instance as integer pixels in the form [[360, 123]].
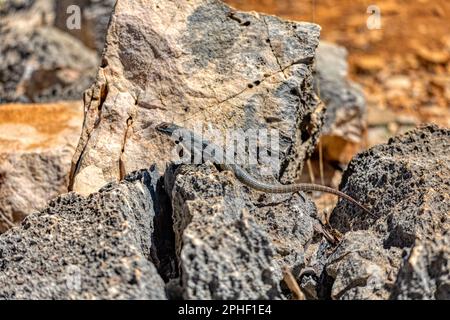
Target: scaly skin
[[244, 177]]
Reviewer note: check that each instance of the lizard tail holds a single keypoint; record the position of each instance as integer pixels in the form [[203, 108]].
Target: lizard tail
[[311, 187]]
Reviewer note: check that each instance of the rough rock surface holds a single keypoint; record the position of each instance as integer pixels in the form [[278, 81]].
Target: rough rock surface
[[425, 273], [289, 221], [362, 268], [313, 280], [41, 63], [191, 62], [405, 182], [37, 143], [85, 248], [226, 249], [344, 122], [223, 253], [95, 16]]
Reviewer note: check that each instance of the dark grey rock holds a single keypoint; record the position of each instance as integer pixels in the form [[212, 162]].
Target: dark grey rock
[[95, 16], [361, 268], [223, 252], [425, 273], [43, 64], [313, 279], [233, 242], [97, 247], [405, 182]]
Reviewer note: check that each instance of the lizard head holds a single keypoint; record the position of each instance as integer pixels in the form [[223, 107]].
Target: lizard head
[[167, 128]]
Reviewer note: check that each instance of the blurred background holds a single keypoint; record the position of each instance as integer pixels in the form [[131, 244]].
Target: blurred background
[[397, 77], [403, 67]]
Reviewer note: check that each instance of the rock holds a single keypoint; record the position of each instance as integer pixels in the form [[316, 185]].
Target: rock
[[226, 249], [404, 182], [196, 62], [41, 63], [85, 248], [223, 253], [95, 16], [361, 268], [313, 279], [289, 222], [425, 273], [37, 143], [344, 122]]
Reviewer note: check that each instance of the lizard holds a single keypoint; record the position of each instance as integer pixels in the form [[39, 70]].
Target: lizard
[[240, 173]]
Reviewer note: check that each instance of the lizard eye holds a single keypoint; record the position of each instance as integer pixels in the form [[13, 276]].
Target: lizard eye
[[181, 153], [179, 140]]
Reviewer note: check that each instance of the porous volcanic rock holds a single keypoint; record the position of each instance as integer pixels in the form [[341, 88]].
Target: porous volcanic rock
[[230, 244], [97, 247], [362, 268], [405, 182], [425, 273]]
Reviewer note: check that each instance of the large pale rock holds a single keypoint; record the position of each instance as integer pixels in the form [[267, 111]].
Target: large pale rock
[[37, 143], [189, 62], [97, 247], [345, 121], [231, 243]]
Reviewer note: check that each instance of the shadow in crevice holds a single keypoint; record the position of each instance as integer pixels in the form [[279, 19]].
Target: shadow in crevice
[[163, 248]]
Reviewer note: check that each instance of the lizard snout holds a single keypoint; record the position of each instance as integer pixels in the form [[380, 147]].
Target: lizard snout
[[166, 128]]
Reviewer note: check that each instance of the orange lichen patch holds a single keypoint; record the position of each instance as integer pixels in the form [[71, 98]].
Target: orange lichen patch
[[25, 127]]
